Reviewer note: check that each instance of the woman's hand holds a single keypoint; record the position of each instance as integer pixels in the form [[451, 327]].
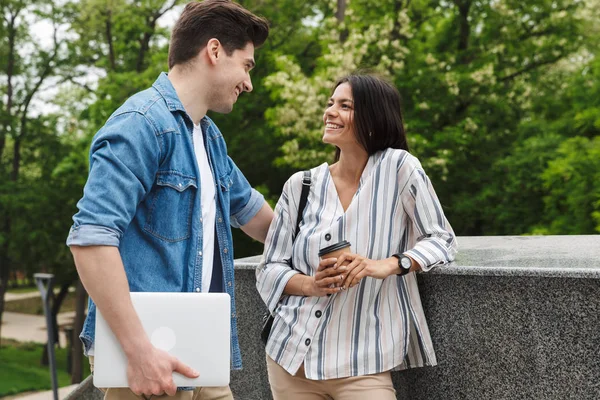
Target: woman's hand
[[360, 267], [326, 281]]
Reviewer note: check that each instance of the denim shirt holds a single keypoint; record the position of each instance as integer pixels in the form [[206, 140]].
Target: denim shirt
[[143, 196]]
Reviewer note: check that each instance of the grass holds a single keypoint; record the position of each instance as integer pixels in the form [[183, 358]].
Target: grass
[[20, 290], [34, 305], [21, 371]]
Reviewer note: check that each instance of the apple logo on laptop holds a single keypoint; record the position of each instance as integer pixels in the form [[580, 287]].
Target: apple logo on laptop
[[163, 338]]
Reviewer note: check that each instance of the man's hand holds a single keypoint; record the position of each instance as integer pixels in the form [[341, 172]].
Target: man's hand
[[361, 267], [150, 372], [327, 280]]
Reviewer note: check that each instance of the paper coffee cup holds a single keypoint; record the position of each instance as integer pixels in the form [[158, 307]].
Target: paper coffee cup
[[335, 250]]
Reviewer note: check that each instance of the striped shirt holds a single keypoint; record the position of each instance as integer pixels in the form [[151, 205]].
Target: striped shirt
[[378, 325]]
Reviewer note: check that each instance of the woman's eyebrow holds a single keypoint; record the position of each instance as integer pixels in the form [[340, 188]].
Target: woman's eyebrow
[[342, 100]]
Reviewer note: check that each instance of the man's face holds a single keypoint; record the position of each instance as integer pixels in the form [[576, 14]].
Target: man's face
[[232, 77]]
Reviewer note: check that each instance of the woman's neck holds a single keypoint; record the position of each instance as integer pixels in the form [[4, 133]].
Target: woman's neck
[[350, 165]]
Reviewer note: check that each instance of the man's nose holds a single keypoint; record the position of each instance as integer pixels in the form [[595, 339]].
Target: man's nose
[[248, 85]]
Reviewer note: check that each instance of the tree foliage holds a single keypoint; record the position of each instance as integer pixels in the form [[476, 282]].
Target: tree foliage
[[501, 101]]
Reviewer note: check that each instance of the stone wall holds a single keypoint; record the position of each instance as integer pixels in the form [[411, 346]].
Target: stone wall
[[512, 318]]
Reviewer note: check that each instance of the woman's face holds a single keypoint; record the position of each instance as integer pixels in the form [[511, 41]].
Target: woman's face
[[338, 118]]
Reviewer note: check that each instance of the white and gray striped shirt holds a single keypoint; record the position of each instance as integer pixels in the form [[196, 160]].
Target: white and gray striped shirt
[[377, 325]]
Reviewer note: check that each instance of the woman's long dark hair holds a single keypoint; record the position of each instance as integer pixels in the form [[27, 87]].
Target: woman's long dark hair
[[378, 122]]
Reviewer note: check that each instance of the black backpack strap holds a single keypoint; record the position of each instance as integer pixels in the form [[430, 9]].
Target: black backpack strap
[[303, 199]]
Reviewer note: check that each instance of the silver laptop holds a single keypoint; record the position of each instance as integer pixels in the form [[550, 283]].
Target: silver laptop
[[194, 327]]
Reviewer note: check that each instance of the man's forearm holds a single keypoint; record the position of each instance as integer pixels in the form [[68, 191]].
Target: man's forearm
[[258, 226], [103, 276]]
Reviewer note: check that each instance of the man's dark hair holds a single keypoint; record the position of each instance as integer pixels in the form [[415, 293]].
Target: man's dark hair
[[378, 122], [229, 22]]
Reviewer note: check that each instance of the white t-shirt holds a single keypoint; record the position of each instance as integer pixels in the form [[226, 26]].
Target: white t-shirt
[[208, 203]]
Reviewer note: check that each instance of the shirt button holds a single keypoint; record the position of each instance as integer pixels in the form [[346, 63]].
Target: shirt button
[[225, 251], [229, 283], [328, 237], [197, 289], [232, 315], [220, 219], [307, 342], [200, 253], [318, 314], [200, 219]]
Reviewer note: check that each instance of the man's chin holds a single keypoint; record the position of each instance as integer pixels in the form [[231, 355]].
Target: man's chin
[[225, 109]]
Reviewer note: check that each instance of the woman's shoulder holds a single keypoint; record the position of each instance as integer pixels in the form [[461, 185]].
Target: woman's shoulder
[[402, 160], [315, 171], [294, 183]]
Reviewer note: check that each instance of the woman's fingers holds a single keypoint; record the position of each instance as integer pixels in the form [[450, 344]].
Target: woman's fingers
[[329, 272], [345, 257], [335, 280], [351, 270], [352, 275], [358, 277], [326, 263]]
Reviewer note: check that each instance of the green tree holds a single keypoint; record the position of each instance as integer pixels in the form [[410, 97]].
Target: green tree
[[27, 66], [468, 72]]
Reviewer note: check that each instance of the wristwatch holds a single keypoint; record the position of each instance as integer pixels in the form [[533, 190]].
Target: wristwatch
[[404, 262]]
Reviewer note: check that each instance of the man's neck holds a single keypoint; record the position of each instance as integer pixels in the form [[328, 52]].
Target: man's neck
[[191, 93]]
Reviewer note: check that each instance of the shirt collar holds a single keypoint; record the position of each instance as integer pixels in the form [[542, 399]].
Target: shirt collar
[[164, 86]]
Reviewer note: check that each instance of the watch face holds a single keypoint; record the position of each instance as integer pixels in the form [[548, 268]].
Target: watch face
[[406, 262]]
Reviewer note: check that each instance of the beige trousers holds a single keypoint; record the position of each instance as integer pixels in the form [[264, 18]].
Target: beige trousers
[[201, 393], [285, 386]]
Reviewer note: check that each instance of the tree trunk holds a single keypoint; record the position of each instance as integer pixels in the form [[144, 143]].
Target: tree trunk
[[10, 67], [340, 14], [109, 41], [144, 47], [16, 158], [4, 272], [464, 7], [55, 306], [4, 259], [76, 346]]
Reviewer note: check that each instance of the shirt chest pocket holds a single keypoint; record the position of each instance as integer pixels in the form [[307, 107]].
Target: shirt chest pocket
[[224, 186], [170, 206]]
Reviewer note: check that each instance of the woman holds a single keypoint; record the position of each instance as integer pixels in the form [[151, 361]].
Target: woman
[[340, 328]]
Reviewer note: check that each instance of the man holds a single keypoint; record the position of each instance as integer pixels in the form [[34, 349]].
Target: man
[[162, 193]]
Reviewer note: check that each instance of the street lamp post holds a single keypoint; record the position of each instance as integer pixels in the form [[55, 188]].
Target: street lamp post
[[44, 283]]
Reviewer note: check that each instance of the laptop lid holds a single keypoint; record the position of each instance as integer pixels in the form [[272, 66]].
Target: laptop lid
[[194, 327]]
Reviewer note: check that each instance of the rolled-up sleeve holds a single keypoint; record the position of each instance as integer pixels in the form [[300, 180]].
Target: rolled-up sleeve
[[275, 269], [124, 158], [245, 202], [436, 243]]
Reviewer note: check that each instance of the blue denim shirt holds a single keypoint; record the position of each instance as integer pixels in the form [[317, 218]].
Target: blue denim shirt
[[143, 196]]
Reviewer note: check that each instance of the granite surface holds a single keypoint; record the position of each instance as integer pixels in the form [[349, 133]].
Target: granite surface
[[509, 338], [512, 318], [543, 256], [495, 337]]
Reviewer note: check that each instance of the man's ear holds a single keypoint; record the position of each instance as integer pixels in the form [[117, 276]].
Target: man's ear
[[214, 50]]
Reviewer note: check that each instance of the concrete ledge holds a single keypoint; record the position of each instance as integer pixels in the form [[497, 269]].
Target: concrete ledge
[[542, 256], [512, 318]]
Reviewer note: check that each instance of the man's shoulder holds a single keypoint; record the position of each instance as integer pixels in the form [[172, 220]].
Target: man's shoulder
[[148, 103]]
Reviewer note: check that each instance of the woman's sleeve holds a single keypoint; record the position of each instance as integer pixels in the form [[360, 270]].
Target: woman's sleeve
[[275, 269], [436, 243]]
